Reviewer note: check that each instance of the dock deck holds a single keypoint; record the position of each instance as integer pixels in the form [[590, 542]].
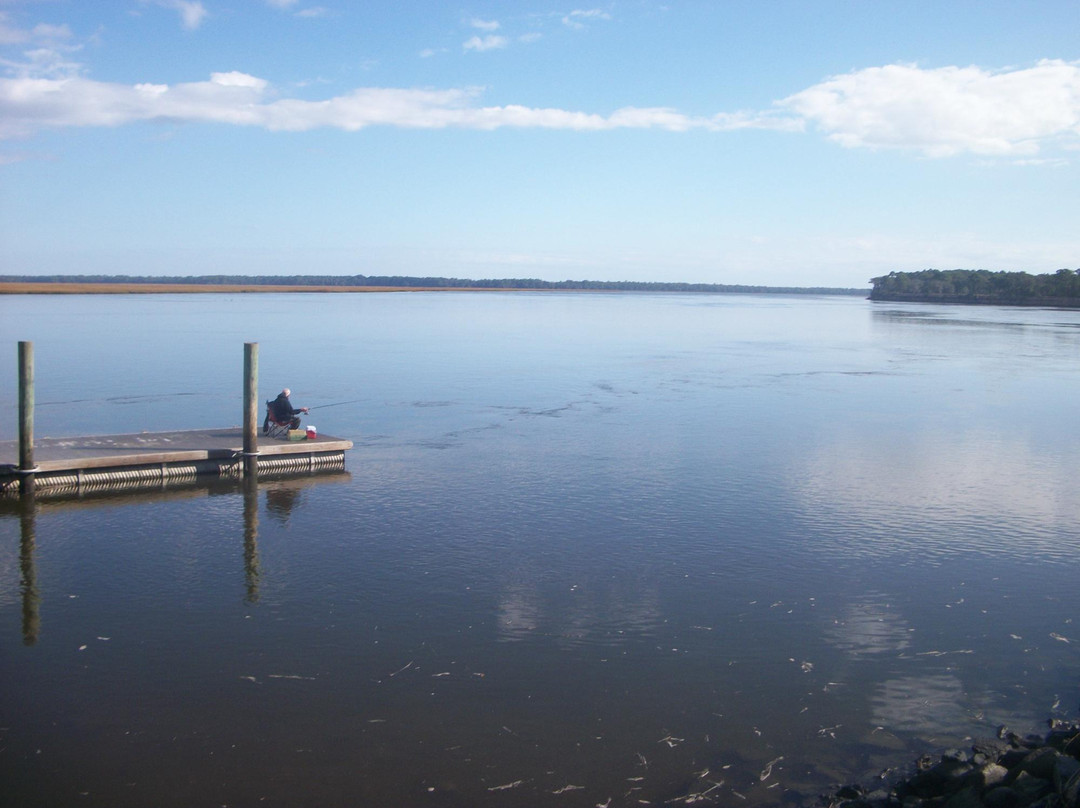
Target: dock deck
[[152, 458]]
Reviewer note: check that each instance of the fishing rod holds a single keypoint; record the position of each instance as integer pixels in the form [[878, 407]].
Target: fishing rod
[[336, 404]]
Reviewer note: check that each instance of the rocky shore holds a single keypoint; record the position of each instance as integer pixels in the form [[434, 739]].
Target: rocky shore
[[1009, 771]]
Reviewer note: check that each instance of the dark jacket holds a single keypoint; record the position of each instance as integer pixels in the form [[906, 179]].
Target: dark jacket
[[282, 409]]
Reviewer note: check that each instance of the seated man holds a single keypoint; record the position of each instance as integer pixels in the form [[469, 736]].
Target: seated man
[[282, 411]]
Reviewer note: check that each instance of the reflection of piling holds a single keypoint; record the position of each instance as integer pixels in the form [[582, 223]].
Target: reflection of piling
[[26, 418], [31, 598], [251, 537], [251, 385]]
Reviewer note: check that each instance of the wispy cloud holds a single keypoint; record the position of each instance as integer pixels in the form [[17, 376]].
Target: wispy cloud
[[484, 25], [946, 111], [47, 50], [30, 104], [578, 17], [486, 43], [938, 113], [192, 12]]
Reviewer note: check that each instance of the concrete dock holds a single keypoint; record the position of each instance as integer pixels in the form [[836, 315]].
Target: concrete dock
[[154, 458]]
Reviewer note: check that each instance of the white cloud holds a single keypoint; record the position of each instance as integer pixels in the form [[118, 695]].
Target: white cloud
[[946, 111], [576, 18], [484, 25], [192, 12], [31, 103], [938, 113], [489, 42]]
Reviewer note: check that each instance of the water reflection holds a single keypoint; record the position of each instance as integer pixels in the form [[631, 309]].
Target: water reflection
[[929, 492], [933, 704], [869, 628], [28, 585], [582, 614], [282, 494], [280, 501], [251, 537]]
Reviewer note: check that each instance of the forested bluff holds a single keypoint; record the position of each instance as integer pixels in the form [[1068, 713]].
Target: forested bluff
[[408, 282], [1061, 288]]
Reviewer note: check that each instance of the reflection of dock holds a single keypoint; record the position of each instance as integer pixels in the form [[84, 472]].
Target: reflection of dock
[[282, 495], [158, 459]]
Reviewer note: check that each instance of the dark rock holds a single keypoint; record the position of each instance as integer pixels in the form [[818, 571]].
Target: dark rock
[[1065, 769], [1011, 758], [850, 792], [1003, 797], [991, 749], [1073, 746], [1067, 781], [1040, 763], [1007, 772], [965, 798], [1032, 741], [956, 755], [1031, 788]]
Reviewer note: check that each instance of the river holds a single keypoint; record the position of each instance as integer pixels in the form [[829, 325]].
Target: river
[[589, 547]]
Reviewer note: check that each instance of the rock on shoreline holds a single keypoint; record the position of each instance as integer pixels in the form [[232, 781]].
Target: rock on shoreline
[[1009, 771]]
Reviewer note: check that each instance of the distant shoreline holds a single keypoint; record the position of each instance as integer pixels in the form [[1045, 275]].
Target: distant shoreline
[[63, 288], [123, 288]]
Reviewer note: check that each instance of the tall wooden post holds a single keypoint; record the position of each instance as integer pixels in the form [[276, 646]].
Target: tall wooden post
[[26, 417], [251, 415]]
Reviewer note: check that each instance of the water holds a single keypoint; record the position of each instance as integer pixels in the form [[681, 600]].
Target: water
[[589, 547]]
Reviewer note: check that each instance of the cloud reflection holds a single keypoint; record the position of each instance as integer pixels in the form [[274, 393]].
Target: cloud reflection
[[578, 615], [943, 492], [868, 629], [931, 705]]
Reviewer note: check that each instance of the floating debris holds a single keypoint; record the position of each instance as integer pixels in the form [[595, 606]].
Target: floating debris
[[767, 771], [671, 741], [564, 789], [507, 786], [402, 670], [1055, 636]]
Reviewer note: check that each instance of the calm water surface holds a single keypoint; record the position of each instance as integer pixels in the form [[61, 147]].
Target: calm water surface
[[589, 547]]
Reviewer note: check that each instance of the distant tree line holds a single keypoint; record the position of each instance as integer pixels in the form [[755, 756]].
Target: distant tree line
[[1061, 288], [438, 283]]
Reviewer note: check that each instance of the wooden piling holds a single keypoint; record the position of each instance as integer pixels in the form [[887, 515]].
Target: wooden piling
[[251, 415], [26, 417]]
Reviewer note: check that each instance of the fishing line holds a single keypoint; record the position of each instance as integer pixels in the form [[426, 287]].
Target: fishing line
[[337, 404]]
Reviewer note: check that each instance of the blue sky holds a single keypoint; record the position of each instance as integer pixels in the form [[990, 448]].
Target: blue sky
[[778, 143]]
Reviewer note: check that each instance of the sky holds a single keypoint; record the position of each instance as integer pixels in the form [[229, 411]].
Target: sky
[[766, 142]]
